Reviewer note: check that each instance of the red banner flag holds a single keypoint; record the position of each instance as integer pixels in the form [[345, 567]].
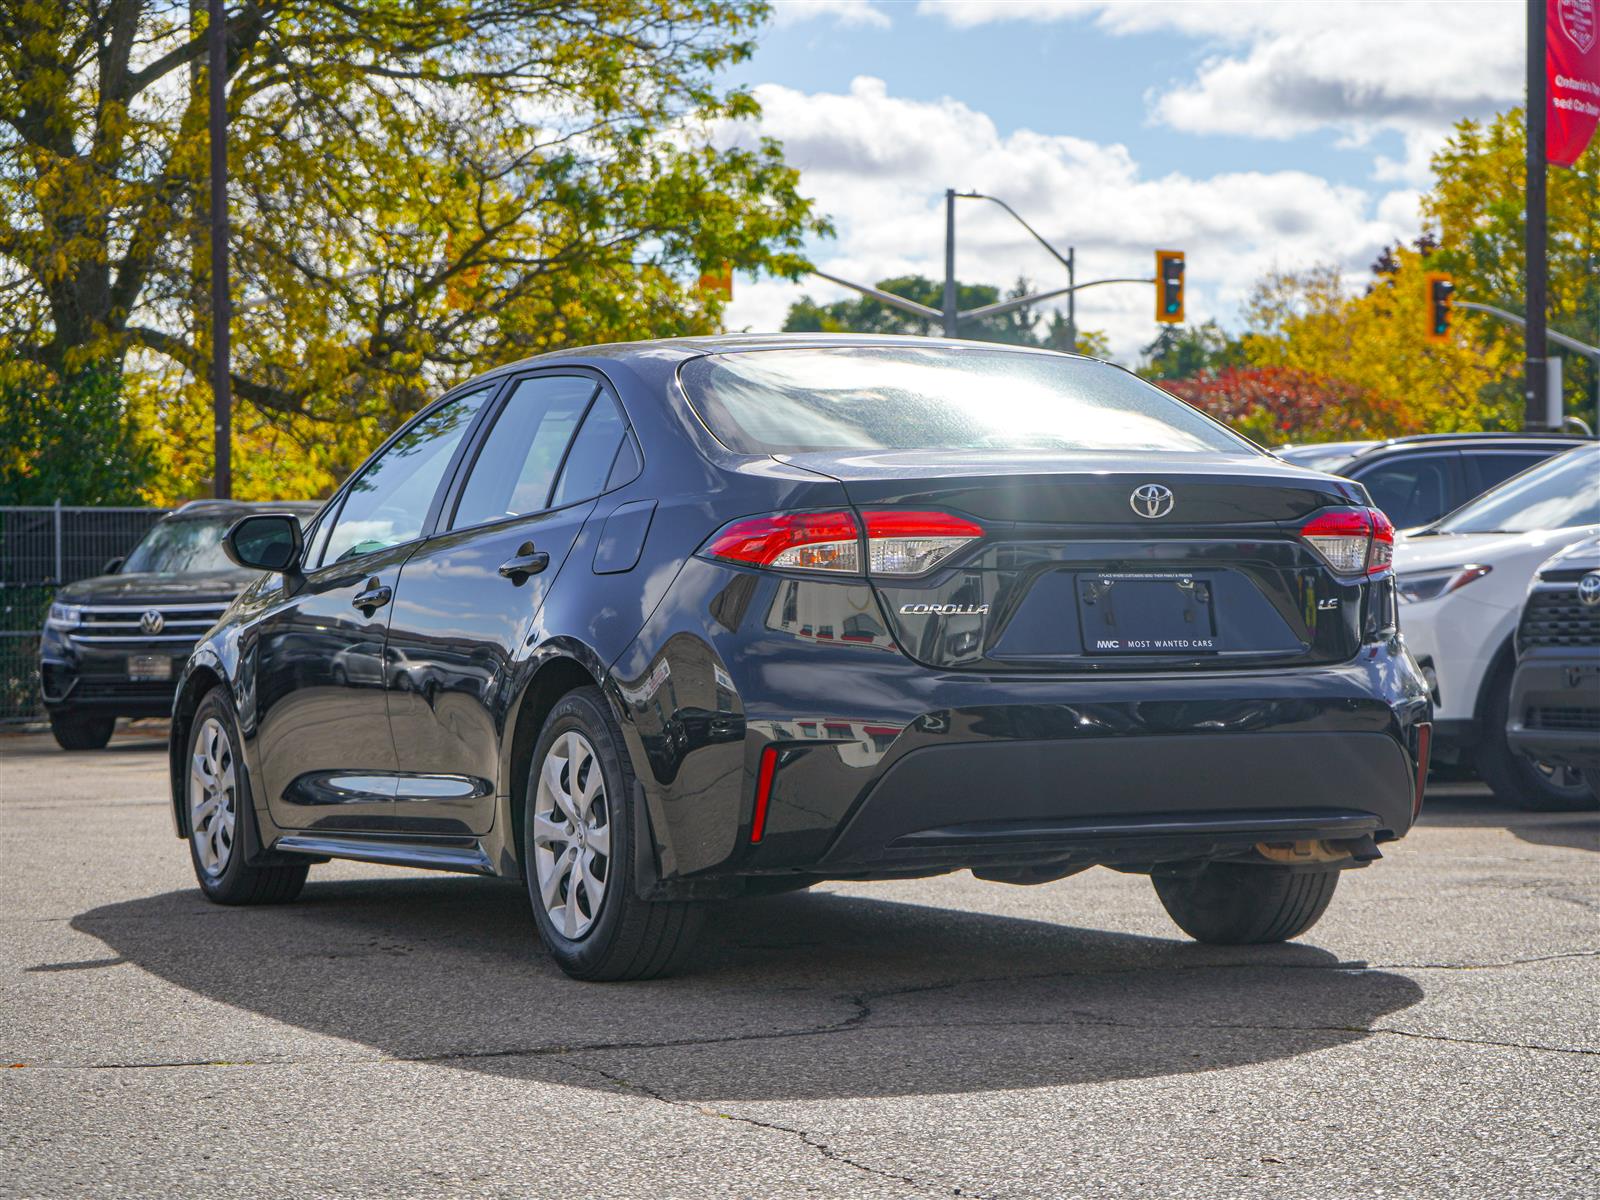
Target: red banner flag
[[1572, 77]]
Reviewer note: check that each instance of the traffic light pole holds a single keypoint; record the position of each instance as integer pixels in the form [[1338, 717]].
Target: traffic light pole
[[1534, 344], [221, 377]]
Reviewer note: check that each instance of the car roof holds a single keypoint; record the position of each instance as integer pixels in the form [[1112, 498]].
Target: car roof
[[1477, 438], [200, 509], [684, 348]]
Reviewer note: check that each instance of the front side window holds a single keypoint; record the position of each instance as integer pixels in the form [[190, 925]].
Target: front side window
[[1557, 494], [516, 469], [863, 398], [388, 503]]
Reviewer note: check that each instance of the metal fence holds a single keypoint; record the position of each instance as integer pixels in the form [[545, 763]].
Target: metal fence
[[40, 550]]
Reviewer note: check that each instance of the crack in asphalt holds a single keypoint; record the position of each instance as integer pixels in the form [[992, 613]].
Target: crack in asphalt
[[825, 1149]]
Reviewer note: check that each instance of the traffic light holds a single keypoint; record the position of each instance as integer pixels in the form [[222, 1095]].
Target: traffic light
[[1440, 289], [1169, 287]]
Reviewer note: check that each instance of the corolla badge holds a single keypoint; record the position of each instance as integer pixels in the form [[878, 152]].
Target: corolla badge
[[1151, 500], [1589, 589], [152, 623], [944, 610]]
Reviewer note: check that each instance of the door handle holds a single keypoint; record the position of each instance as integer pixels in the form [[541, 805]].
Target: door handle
[[527, 561], [372, 597]]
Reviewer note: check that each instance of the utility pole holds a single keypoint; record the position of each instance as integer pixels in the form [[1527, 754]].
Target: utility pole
[[950, 262], [1534, 346], [221, 380], [1072, 299]]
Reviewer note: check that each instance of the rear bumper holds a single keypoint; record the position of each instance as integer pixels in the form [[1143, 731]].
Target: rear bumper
[[1554, 713], [1126, 801], [886, 766]]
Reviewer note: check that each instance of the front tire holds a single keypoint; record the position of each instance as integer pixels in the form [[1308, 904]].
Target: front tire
[[1516, 779], [1238, 904], [579, 853], [82, 731], [217, 796]]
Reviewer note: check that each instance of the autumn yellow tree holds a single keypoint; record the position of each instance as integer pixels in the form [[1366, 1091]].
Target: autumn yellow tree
[[1374, 340], [419, 190]]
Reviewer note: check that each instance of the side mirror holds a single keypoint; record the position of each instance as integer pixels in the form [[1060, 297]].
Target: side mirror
[[113, 565], [265, 542]]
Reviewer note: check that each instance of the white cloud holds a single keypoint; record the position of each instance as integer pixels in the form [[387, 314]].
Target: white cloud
[[857, 13], [1279, 69], [879, 165]]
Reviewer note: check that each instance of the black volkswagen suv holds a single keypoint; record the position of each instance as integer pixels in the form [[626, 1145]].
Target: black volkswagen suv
[[656, 625], [114, 646]]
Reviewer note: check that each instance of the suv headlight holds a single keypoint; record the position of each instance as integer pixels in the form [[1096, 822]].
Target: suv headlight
[[1431, 585], [64, 616]]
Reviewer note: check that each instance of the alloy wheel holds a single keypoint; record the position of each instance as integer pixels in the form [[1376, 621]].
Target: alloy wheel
[[571, 835], [212, 792]]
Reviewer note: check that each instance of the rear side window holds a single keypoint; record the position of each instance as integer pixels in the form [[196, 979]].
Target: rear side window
[[516, 469], [938, 398], [589, 461], [1494, 467], [1414, 489]]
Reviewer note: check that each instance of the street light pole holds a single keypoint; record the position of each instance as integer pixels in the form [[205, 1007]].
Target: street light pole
[[1534, 345], [221, 380], [949, 262]]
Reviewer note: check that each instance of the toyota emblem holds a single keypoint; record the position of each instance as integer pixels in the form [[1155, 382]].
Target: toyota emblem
[[1151, 500], [1589, 589], [152, 623]]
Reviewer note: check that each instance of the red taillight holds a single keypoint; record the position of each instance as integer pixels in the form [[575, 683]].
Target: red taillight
[[769, 765], [825, 541], [899, 541], [1351, 540], [1424, 745], [912, 543]]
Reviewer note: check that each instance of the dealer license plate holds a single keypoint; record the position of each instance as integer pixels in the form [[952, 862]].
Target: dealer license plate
[[1149, 612], [148, 668]]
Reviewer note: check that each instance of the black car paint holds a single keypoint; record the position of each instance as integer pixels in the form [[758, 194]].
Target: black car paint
[[704, 669]]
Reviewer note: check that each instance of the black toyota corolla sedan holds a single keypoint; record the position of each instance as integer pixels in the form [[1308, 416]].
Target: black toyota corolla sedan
[[658, 625]]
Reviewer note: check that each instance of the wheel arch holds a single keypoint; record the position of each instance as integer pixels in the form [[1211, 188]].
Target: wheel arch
[[198, 682], [1503, 660], [560, 667]]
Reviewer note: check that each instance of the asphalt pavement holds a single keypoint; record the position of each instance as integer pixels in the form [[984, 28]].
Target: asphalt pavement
[[396, 1033]]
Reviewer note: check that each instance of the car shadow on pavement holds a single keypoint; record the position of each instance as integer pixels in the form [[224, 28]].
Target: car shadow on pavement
[[803, 996], [1574, 830]]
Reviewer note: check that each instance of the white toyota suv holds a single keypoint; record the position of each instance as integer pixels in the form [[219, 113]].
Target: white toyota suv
[[1462, 582]]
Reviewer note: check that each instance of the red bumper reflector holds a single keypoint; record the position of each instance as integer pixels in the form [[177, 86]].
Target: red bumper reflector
[[1424, 746], [769, 765]]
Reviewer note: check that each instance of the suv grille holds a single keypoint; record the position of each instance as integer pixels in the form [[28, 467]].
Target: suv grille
[[108, 624], [1571, 719], [1554, 617]]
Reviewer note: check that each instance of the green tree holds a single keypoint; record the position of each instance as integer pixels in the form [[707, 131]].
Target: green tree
[[69, 441], [1019, 327], [1187, 351], [419, 190], [1477, 204]]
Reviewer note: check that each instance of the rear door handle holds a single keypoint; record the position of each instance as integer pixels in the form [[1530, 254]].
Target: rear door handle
[[372, 597], [527, 561]]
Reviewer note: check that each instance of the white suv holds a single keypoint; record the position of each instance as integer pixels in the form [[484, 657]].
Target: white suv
[[1462, 582]]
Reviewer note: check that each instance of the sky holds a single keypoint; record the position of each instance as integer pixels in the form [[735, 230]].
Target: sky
[[1251, 136]]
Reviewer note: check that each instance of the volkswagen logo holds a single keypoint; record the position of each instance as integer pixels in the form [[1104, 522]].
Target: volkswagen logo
[[1589, 589], [1151, 500], [152, 623]]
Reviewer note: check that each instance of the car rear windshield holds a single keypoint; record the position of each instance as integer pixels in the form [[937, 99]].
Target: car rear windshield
[[938, 398], [1557, 494]]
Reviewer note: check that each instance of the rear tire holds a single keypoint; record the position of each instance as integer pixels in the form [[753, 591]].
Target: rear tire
[[580, 776], [1516, 779], [217, 800], [81, 731], [1237, 904]]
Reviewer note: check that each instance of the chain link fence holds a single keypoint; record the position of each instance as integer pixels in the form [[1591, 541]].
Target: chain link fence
[[40, 550]]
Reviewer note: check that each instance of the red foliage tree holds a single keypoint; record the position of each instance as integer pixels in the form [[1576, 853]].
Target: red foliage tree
[[1275, 405]]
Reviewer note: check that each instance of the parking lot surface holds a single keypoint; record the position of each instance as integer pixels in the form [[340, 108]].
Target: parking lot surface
[[398, 1033]]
